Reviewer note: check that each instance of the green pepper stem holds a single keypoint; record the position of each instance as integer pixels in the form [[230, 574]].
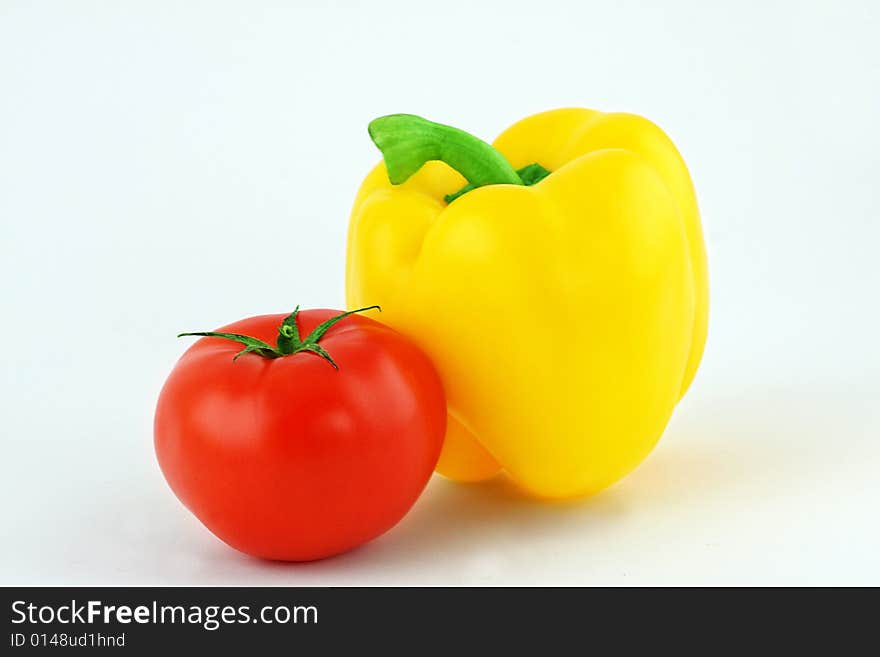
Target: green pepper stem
[[531, 174], [408, 141]]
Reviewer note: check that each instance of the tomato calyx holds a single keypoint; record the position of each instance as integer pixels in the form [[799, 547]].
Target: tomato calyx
[[289, 341]]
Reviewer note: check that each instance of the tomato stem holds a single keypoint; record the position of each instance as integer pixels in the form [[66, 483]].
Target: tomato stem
[[289, 341], [288, 334]]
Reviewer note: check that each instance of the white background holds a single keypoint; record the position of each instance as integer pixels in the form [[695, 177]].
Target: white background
[[172, 166]]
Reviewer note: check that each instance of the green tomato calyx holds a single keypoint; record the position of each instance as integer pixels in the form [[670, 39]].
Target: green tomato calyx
[[289, 341]]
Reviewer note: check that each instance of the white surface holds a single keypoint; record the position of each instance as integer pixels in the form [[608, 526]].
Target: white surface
[[171, 166]]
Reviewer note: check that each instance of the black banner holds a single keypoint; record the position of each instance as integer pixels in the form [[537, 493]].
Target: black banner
[[318, 620]]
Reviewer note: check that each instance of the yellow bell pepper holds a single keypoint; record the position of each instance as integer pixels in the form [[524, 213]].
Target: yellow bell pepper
[[566, 313]]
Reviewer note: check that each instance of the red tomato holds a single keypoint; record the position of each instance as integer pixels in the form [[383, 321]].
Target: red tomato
[[289, 458]]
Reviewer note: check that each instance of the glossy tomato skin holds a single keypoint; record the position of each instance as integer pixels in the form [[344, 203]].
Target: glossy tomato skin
[[289, 458]]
